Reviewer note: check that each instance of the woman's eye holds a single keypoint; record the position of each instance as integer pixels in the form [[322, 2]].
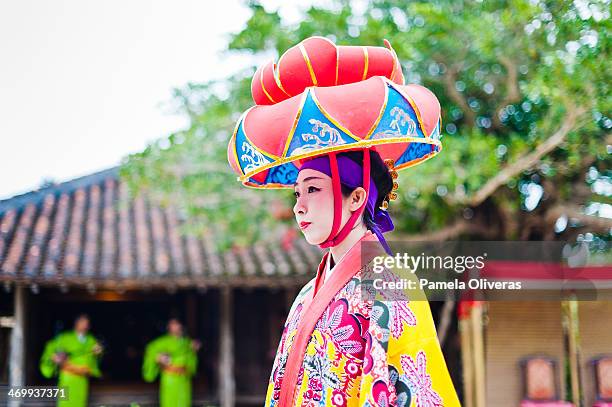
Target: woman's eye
[[309, 189]]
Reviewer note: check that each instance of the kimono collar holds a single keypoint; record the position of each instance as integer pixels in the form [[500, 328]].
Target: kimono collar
[[314, 304]]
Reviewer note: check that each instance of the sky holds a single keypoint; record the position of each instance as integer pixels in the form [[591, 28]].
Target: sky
[[84, 83]]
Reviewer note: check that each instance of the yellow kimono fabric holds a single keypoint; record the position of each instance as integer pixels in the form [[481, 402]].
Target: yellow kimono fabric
[[79, 351], [367, 351], [174, 388]]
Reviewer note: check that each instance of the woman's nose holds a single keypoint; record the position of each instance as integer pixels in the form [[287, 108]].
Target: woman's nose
[[299, 207]]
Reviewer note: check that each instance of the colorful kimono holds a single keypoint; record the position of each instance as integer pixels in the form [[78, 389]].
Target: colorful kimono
[[79, 353], [175, 385], [366, 352]]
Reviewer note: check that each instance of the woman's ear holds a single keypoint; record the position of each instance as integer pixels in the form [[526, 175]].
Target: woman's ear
[[356, 198]]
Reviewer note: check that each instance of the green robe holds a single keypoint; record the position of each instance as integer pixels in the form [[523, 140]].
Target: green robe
[[174, 388], [79, 353]]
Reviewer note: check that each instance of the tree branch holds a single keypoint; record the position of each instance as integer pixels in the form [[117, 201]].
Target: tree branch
[[513, 93], [450, 77], [527, 161], [597, 224]]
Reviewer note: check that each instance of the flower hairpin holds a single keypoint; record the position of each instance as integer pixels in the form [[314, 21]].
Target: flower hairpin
[[391, 196]]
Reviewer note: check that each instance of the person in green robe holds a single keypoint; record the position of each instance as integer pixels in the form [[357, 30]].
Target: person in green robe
[[173, 357], [73, 355]]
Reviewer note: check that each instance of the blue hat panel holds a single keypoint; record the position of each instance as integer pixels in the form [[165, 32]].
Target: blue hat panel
[[249, 157], [398, 120], [314, 131], [415, 151], [436, 135], [285, 174]]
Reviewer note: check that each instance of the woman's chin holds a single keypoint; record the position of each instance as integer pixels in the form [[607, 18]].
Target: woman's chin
[[312, 238]]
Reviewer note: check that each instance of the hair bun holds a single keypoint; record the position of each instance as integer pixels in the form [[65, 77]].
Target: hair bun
[[317, 61]]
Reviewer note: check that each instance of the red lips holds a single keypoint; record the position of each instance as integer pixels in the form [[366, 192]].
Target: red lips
[[304, 225]]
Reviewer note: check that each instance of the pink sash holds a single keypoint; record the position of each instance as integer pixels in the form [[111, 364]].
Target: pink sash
[[350, 264]]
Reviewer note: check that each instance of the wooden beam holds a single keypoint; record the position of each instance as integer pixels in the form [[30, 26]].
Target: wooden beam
[[574, 346], [479, 358], [227, 386], [467, 361], [446, 315], [126, 285], [17, 350]]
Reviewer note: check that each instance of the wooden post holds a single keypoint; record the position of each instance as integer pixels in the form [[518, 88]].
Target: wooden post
[[446, 315], [17, 351], [573, 345], [479, 359], [226, 362], [467, 361]]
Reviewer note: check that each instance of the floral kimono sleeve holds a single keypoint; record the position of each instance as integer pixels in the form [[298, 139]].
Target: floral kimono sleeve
[[415, 355], [403, 363]]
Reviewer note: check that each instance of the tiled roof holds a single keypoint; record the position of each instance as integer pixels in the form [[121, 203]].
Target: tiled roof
[[89, 232]]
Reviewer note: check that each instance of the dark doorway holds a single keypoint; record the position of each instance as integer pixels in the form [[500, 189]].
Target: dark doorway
[[125, 323]]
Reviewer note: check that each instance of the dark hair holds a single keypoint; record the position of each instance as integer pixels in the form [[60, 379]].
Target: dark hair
[[379, 172], [82, 315]]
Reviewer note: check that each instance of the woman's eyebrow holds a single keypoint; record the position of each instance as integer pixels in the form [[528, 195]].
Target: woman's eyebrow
[[307, 179]]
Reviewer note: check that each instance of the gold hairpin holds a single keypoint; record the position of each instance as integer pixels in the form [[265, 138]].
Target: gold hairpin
[[391, 196]]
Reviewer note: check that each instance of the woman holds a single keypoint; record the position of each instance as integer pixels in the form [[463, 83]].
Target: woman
[[326, 118]]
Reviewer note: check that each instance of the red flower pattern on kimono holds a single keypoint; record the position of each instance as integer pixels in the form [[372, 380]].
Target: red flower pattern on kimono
[[344, 328], [352, 369], [338, 398], [380, 392]]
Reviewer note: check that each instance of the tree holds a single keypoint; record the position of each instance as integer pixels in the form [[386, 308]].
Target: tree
[[524, 88]]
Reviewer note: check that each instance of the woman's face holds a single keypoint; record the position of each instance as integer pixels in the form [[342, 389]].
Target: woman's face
[[314, 205]]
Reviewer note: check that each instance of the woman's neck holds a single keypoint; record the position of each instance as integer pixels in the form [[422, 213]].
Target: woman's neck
[[349, 241]]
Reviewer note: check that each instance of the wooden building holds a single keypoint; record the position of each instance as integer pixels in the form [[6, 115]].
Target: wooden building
[[595, 327], [85, 246], [516, 330], [574, 330]]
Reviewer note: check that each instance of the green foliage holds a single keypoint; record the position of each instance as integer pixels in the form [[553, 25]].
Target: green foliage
[[508, 74], [190, 169]]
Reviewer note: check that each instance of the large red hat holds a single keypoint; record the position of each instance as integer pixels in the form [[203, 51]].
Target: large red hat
[[320, 98]]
